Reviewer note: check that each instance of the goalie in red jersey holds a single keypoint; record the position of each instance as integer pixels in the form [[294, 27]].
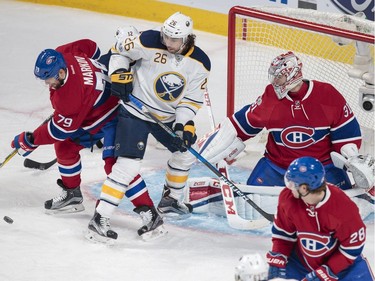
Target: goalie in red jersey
[[303, 118]]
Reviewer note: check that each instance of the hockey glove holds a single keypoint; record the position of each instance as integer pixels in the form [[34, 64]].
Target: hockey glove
[[322, 273], [277, 265], [185, 136], [24, 143], [122, 84]]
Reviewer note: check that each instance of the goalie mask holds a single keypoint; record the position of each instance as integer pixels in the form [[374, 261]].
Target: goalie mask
[[48, 64], [284, 73], [305, 170], [178, 26]]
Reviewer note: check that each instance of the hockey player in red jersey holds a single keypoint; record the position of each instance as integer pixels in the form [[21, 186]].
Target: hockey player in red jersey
[[303, 118], [318, 234], [84, 112]]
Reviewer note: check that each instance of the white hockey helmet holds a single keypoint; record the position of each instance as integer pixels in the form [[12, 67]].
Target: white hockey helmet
[[288, 65], [251, 267], [126, 31], [178, 26]]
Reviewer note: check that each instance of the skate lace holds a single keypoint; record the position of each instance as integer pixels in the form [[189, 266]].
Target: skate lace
[[104, 222], [146, 217], [61, 197]]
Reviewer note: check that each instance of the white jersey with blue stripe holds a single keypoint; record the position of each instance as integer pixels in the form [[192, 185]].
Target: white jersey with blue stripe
[[170, 85]]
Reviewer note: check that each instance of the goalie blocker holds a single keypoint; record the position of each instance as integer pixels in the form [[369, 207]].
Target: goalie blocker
[[221, 143]]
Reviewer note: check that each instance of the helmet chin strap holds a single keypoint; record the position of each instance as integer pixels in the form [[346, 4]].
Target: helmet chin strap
[[307, 193], [301, 196]]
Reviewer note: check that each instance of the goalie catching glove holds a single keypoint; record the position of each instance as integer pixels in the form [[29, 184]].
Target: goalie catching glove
[[122, 84], [361, 166], [24, 143], [185, 136], [220, 144]]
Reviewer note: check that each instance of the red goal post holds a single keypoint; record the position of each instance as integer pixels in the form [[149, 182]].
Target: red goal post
[[256, 35]]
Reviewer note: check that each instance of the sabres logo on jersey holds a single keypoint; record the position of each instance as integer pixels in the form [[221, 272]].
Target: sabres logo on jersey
[[169, 86], [314, 245]]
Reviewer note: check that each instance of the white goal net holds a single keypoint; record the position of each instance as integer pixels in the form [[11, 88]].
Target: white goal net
[[257, 35]]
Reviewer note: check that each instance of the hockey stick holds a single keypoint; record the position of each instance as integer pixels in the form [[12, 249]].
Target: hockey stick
[[234, 219], [14, 152], [29, 163], [145, 111], [10, 156], [32, 164]]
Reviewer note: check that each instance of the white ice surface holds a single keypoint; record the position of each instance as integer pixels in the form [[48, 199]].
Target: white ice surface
[[40, 247]]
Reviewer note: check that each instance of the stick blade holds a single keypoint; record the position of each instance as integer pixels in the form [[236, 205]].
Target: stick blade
[[29, 163]]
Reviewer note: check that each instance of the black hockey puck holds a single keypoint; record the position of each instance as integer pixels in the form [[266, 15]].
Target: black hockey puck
[[8, 219]]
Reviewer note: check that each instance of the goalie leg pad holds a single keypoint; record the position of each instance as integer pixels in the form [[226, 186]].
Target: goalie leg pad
[[204, 194]]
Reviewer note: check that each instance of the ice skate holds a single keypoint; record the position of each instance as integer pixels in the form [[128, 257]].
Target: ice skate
[[100, 230], [152, 223], [172, 208], [69, 201]]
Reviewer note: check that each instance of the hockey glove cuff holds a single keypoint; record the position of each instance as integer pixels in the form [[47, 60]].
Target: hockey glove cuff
[[277, 265], [322, 273], [24, 143], [122, 84]]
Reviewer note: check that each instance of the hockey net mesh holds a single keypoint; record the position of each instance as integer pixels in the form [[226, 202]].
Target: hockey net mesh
[[257, 41]]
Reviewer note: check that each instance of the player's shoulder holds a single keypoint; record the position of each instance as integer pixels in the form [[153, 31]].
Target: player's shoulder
[[324, 88], [151, 39], [339, 200], [338, 192], [286, 197], [268, 98], [198, 54], [84, 47]]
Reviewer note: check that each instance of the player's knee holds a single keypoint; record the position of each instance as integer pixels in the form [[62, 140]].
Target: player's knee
[[125, 170], [182, 161]]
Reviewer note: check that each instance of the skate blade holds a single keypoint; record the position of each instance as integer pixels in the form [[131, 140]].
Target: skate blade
[[98, 239], [66, 210], [169, 214], [174, 216], [155, 234]]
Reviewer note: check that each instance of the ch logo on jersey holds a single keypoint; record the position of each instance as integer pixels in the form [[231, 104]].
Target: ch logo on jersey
[[314, 245], [297, 137], [169, 86]]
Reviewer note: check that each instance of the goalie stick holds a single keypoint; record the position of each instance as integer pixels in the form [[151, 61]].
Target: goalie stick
[[234, 219], [234, 188]]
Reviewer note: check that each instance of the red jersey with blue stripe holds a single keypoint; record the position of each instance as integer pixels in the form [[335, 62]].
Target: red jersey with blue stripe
[[330, 233], [311, 122], [83, 104]]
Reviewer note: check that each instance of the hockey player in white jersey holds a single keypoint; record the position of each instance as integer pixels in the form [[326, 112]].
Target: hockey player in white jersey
[[167, 74]]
